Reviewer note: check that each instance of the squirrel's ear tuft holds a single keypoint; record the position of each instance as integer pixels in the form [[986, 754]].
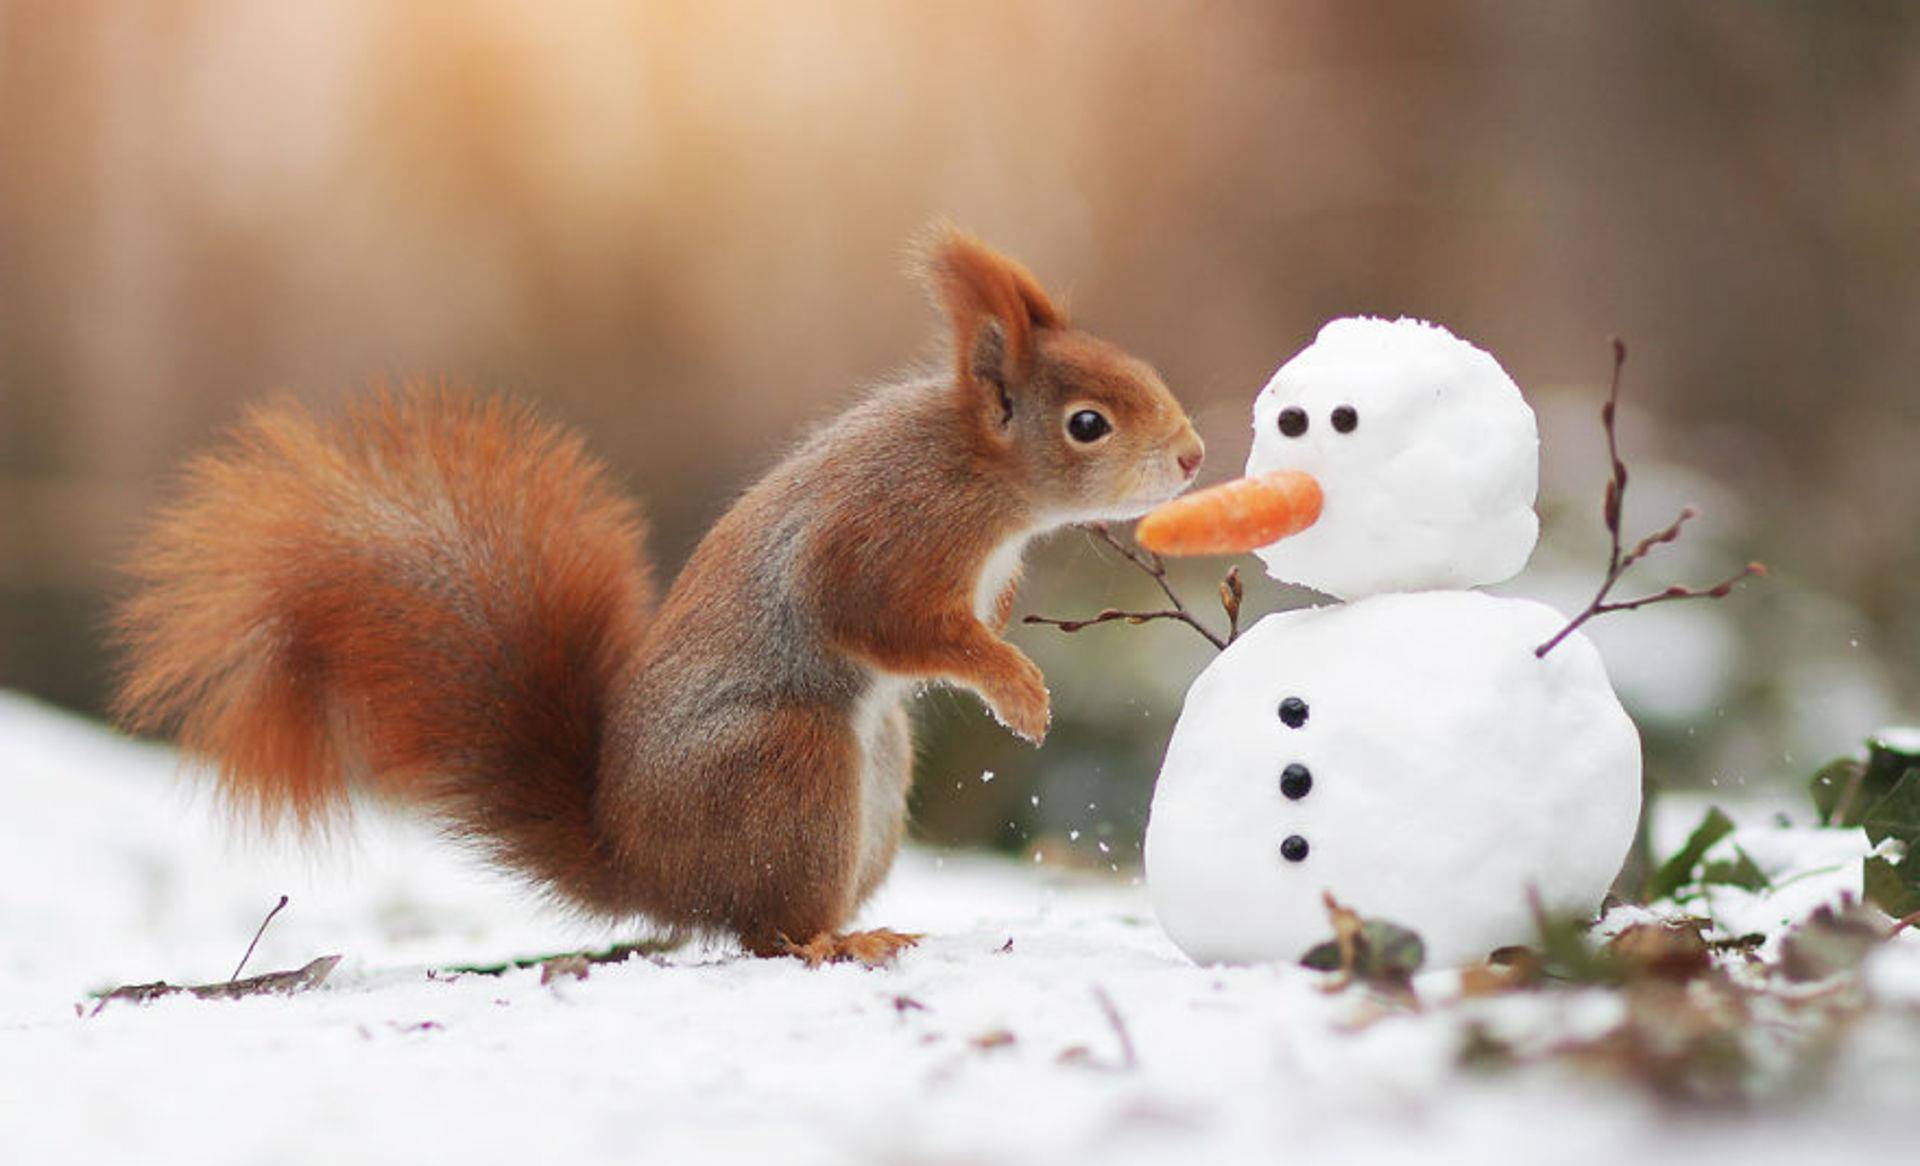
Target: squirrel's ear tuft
[[993, 304]]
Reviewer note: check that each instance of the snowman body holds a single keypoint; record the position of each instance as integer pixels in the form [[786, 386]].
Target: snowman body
[[1407, 752], [1438, 776]]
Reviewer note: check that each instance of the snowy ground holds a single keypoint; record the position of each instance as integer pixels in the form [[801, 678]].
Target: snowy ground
[[989, 1043]]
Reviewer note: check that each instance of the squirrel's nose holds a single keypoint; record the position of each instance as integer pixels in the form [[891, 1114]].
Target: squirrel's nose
[[1190, 452]]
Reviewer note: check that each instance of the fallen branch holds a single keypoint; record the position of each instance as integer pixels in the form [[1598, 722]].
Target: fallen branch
[[272, 983], [569, 962], [1619, 560], [1231, 593], [239, 967], [233, 987]]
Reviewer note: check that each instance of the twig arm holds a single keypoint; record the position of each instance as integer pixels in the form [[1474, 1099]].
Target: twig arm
[[1231, 593], [1620, 559]]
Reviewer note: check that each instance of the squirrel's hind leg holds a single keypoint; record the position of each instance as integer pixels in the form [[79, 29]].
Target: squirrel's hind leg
[[875, 948], [885, 748]]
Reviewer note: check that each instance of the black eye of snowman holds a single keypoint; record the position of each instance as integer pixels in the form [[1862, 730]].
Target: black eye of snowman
[[1295, 781], [1345, 419], [1293, 712], [1293, 421]]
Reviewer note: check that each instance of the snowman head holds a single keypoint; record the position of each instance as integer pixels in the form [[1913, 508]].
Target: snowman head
[[1425, 456]]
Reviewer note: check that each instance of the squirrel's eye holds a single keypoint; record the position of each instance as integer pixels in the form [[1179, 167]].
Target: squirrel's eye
[[1293, 421], [1087, 425], [1344, 419]]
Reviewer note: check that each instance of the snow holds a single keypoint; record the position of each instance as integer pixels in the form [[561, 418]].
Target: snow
[[108, 874], [1901, 739], [1451, 773], [1432, 486]]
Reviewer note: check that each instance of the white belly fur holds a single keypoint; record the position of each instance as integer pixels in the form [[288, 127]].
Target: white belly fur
[[997, 572], [884, 779]]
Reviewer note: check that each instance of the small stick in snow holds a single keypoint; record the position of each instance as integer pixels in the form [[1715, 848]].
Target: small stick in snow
[[312, 975], [1904, 922], [1230, 595], [239, 967], [1620, 559], [1128, 1060]]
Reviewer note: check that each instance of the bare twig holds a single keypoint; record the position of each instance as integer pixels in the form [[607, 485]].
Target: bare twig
[[1231, 593], [618, 953], [1619, 560], [1128, 1059], [237, 968], [1109, 615], [1904, 922]]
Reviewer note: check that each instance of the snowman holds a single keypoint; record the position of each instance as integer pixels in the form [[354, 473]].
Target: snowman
[[1406, 751]]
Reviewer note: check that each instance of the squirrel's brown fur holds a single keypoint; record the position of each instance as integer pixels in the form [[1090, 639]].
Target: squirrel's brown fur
[[442, 600]]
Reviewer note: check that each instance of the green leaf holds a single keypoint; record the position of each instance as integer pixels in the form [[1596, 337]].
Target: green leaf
[[1397, 951], [1567, 954], [1383, 951], [1738, 871], [1897, 815], [1374, 952], [1831, 782], [1893, 889], [1322, 957], [1843, 789], [1677, 871]]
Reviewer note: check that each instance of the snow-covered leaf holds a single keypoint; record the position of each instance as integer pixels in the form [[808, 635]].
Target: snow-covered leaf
[[1897, 815], [1892, 887]]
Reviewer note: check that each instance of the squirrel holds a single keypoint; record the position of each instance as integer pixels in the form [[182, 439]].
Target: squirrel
[[439, 599]]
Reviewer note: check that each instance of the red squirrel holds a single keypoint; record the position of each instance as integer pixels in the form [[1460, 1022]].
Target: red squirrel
[[442, 600]]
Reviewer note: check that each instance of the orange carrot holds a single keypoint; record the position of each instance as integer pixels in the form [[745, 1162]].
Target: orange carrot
[[1233, 516]]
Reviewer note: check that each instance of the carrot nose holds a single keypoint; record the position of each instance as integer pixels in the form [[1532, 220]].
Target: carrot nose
[[1233, 516]]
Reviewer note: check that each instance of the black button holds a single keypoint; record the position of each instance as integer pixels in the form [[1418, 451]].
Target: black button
[[1345, 419], [1293, 421], [1293, 712], [1295, 781], [1294, 849]]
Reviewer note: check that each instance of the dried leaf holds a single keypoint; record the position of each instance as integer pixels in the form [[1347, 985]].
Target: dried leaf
[[1482, 1052], [1829, 942], [1491, 979], [1673, 951], [577, 966], [1680, 1050]]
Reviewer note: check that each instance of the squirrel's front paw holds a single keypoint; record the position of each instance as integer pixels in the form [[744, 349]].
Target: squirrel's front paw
[[1021, 702]]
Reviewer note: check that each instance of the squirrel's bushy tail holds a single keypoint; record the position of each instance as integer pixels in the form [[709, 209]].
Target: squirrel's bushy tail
[[431, 597]]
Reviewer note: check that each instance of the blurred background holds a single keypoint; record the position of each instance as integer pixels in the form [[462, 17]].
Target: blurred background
[[680, 226]]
